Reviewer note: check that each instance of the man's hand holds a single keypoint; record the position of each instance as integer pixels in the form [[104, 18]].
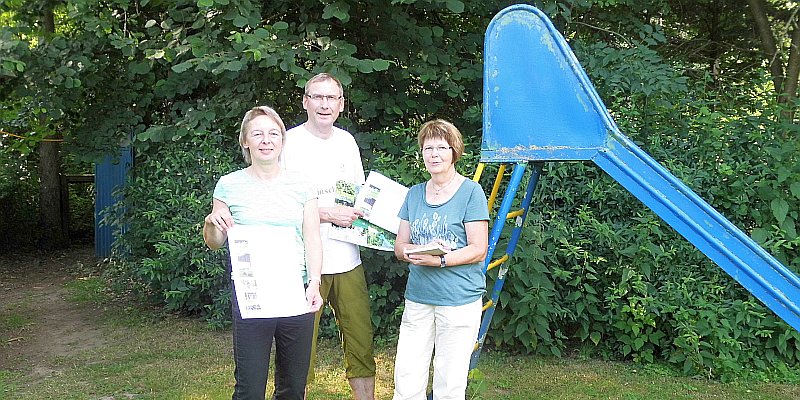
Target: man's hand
[[340, 215]]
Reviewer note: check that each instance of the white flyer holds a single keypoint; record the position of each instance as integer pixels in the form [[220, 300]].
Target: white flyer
[[380, 199], [267, 271]]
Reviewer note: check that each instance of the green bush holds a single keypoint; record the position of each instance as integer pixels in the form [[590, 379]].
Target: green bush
[[19, 199], [165, 202], [595, 269]]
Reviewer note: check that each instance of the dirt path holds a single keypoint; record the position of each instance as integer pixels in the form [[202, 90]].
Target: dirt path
[[38, 322]]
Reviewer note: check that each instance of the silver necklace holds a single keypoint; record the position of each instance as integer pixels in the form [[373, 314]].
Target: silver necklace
[[442, 188]]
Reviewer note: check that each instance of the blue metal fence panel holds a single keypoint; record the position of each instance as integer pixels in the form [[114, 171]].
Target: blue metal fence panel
[[109, 175]]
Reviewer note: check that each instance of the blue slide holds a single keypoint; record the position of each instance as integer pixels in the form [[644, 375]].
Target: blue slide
[[539, 105]]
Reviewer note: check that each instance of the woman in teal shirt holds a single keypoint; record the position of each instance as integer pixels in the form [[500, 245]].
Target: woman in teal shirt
[[443, 299]]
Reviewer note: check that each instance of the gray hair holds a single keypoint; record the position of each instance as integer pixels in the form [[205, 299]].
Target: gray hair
[[322, 78]]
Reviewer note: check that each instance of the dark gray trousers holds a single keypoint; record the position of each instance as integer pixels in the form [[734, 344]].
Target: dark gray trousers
[[252, 342]]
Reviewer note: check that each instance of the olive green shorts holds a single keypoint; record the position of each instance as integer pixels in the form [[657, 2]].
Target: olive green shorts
[[348, 296]]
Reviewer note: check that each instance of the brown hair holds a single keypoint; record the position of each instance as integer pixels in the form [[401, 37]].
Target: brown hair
[[441, 129]]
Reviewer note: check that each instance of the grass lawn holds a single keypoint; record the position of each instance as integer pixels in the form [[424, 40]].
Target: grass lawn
[[143, 356]]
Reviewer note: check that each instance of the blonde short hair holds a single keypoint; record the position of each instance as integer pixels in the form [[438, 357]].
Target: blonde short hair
[[251, 115], [441, 129]]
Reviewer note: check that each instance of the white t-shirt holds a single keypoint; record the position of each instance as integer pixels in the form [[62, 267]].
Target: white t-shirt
[[326, 161]]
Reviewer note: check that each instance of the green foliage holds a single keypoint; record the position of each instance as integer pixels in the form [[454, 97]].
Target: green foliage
[[81, 211], [10, 63], [162, 217], [18, 198]]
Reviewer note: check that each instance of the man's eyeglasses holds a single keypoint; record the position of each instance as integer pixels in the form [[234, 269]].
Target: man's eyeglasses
[[438, 149], [320, 97]]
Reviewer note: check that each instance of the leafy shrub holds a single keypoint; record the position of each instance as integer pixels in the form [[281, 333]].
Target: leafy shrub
[[594, 269], [163, 210], [19, 199]]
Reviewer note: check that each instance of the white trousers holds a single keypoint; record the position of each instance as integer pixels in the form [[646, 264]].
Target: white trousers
[[452, 332]]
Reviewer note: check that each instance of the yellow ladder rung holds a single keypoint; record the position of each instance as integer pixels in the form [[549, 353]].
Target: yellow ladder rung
[[515, 214], [478, 172], [497, 262], [487, 305], [496, 186]]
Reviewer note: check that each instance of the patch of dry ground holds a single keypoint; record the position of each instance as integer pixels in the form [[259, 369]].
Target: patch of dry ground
[[41, 323]]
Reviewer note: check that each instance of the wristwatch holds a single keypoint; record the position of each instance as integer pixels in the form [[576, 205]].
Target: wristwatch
[[443, 262]]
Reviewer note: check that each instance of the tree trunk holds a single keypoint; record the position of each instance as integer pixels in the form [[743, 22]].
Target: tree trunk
[[784, 78], [759, 13], [792, 71], [51, 227], [52, 232]]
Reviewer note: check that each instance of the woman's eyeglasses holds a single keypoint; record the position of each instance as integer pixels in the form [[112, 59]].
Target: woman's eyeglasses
[[427, 150]]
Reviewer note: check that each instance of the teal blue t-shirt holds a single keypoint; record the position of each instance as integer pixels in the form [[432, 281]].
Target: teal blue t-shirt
[[453, 285], [276, 203]]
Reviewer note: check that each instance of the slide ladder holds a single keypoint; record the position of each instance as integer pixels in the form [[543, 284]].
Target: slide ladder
[[504, 214], [539, 106]]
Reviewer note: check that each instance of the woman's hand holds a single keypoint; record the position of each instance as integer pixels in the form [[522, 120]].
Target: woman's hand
[[217, 224], [441, 243], [313, 296], [220, 218], [425, 260]]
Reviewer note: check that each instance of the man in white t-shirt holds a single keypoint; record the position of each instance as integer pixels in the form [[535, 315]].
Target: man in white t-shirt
[[329, 154]]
